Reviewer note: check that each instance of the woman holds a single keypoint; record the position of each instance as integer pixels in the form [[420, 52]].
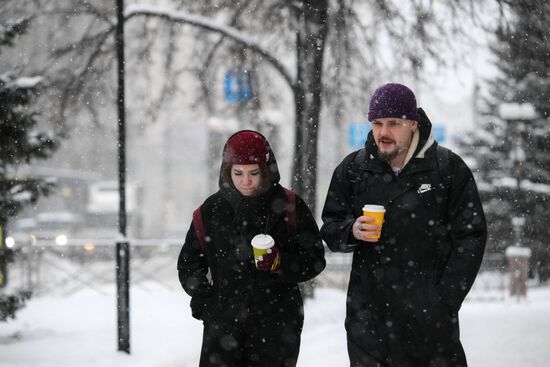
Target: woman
[[252, 313]]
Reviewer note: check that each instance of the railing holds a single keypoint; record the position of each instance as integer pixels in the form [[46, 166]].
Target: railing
[[47, 268]]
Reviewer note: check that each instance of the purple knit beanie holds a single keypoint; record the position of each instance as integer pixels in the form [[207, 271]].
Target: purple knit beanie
[[393, 100]]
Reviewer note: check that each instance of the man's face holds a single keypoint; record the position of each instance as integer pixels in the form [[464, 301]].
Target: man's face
[[393, 137]]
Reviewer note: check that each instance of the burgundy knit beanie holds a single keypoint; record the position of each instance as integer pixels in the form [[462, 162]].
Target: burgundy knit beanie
[[246, 147], [393, 100]]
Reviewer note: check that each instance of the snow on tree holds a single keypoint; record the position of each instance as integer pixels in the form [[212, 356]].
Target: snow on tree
[[20, 142], [512, 156]]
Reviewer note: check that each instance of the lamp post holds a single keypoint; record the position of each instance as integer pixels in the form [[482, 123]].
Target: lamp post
[[515, 114], [122, 245]]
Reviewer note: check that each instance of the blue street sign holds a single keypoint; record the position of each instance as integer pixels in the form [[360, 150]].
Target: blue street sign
[[439, 132], [358, 133], [237, 86]]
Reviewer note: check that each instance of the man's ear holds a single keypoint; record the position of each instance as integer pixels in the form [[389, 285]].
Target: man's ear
[[414, 125]]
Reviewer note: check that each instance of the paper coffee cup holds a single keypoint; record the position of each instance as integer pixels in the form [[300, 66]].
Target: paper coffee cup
[[261, 245], [377, 212]]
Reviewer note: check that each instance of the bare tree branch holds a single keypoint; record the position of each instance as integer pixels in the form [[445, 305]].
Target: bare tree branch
[[78, 79], [202, 73], [208, 24]]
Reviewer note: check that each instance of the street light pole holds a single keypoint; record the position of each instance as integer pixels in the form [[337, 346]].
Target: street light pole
[[122, 245]]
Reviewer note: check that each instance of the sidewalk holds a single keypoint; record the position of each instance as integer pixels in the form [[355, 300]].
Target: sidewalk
[[80, 330]]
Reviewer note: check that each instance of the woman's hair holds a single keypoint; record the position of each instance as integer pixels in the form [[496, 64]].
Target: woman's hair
[[264, 173]]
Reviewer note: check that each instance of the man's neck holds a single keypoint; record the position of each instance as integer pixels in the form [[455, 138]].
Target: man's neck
[[399, 161]]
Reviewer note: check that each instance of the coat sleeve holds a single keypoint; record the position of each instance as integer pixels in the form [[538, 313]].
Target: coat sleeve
[[305, 257], [192, 271], [468, 234], [338, 216]]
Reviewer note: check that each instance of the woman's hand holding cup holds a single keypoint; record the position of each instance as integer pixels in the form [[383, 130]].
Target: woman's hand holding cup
[[266, 253]]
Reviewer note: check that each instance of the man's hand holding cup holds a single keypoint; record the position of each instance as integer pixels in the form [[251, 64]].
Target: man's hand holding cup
[[368, 226]]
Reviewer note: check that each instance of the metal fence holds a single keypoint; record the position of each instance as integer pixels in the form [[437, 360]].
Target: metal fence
[[45, 268]]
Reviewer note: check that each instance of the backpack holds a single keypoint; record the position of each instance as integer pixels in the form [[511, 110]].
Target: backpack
[[290, 215]]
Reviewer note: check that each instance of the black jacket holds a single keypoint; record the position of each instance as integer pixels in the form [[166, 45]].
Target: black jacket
[[405, 290], [224, 276]]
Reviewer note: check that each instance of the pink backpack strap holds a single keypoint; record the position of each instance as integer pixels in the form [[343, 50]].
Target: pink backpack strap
[[199, 228], [291, 211]]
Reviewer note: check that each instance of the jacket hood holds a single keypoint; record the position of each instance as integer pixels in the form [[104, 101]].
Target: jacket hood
[[228, 189], [425, 139]]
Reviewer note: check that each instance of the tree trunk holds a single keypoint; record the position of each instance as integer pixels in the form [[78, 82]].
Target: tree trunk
[[311, 34], [310, 45]]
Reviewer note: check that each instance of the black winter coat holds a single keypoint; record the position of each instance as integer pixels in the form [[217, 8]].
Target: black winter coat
[[225, 286], [405, 291], [230, 227]]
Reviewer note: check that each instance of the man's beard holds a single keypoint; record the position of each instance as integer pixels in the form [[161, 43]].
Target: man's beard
[[389, 156]]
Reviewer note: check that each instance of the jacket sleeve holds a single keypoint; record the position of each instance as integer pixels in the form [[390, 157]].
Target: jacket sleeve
[[338, 216], [192, 271], [305, 257], [468, 234]]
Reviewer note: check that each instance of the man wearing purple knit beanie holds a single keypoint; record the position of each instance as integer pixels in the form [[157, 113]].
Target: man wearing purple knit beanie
[[411, 274]]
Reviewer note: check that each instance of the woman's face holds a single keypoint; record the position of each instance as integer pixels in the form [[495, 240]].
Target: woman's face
[[246, 178]]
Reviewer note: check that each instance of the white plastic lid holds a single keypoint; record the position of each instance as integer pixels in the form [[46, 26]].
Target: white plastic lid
[[263, 241], [374, 208]]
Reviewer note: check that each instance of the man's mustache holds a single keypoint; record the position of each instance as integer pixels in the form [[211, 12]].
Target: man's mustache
[[386, 140]]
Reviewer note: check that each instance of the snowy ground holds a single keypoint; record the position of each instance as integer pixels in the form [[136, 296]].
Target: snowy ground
[[80, 330]]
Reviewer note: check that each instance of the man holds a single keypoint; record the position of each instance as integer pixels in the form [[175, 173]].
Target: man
[[406, 288]]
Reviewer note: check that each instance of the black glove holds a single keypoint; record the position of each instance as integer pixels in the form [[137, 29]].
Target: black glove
[[200, 306]]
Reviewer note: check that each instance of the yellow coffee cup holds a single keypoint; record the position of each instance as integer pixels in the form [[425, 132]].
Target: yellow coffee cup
[[377, 212], [261, 246]]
